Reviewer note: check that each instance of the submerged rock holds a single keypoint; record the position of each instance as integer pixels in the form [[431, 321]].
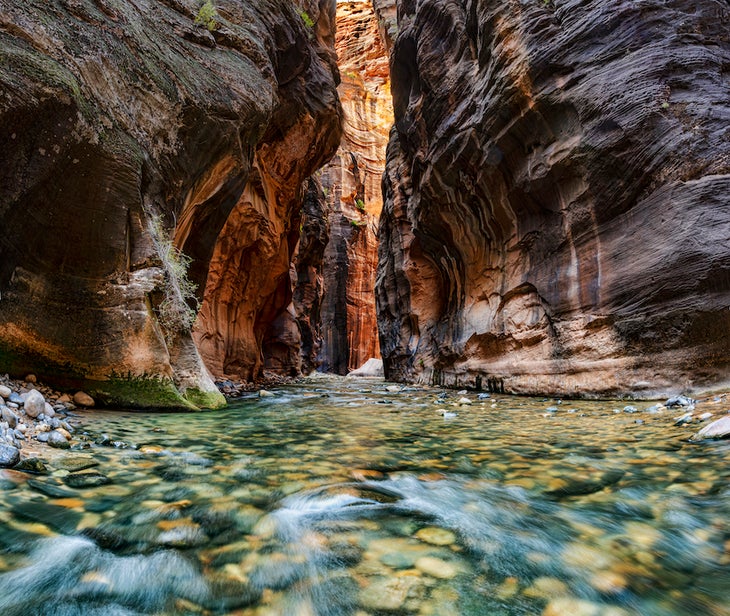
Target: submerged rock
[[88, 479]]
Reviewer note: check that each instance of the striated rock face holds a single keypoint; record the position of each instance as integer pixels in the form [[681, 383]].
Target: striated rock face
[[352, 188], [308, 275], [557, 196], [126, 127]]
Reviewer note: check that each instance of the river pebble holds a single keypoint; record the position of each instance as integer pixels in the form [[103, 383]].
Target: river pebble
[[436, 567], [57, 439], [390, 594], [436, 536]]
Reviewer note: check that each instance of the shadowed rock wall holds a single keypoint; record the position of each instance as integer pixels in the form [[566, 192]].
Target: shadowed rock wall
[[557, 196], [114, 115]]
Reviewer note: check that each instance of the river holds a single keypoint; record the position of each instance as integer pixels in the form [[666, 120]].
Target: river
[[338, 497]]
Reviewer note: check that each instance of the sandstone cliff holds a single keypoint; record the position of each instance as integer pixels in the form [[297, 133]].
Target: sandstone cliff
[[557, 196], [352, 192], [126, 127]]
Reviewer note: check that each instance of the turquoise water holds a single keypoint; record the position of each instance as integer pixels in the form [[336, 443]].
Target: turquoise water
[[338, 497]]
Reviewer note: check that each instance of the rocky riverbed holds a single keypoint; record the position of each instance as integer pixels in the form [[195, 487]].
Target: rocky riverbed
[[340, 497]]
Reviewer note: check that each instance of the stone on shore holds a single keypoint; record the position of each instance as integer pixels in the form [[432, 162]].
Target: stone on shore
[[35, 403], [81, 398], [5, 391], [9, 455], [716, 430], [58, 440], [372, 368], [9, 416]]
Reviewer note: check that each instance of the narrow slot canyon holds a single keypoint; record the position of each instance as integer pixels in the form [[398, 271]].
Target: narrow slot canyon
[[364, 307], [538, 232]]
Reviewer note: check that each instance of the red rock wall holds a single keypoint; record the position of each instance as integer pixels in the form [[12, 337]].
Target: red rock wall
[[353, 195], [557, 196]]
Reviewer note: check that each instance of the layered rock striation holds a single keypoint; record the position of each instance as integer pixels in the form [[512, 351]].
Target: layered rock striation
[[130, 132], [557, 196], [351, 185]]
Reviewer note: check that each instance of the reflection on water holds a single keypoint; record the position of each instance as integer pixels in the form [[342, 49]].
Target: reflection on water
[[339, 498]]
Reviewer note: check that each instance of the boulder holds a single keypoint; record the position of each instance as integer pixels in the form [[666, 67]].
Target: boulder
[[718, 429], [372, 368], [9, 455], [35, 403], [83, 399]]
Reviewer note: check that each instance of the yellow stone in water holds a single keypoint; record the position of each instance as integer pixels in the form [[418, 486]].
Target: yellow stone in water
[[643, 534], [95, 577], [508, 588], [568, 606], [557, 484], [35, 528], [522, 482], [546, 588], [89, 520], [645, 558], [436, 536], [587, 530], [170, 524], [609, 582], [585, 557], [234, 572], [435, 567], [69, 503], [389, 594], [150, 449]]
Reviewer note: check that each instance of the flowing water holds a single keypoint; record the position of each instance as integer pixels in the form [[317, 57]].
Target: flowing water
[[338, 497]]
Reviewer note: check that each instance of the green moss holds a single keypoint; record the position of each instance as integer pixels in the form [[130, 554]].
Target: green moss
[[38, 67], [205, 399], [308, 21], [140, 392], [207, 16]]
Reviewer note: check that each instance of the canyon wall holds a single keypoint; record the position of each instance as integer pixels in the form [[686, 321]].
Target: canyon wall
[[351, 185], [131, 131], [557, 196]]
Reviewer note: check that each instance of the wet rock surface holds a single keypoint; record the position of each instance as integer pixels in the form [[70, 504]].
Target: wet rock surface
[[552, 167]]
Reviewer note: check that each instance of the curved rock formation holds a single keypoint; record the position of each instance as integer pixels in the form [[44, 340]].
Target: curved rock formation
[[557, 207], [352, 185], [126, 127]]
